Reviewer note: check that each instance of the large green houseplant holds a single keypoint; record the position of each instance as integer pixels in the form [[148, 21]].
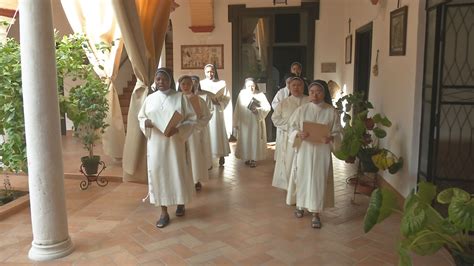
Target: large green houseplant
[[12, 129], [424, 230], [361, 135], [86, 106]]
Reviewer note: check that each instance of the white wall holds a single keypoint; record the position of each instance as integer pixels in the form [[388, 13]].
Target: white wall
[[329, 41], [221, 34], [395, 92]]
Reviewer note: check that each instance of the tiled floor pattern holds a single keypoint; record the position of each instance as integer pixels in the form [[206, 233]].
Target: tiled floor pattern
[[238, 218]]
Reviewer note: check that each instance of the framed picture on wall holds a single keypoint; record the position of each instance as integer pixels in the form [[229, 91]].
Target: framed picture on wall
[[197, 56], [348, 54], [398, 31]]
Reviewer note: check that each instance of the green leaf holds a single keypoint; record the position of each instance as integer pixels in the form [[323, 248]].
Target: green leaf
[[383, 120], [341, 154], [426, 192], [461, 213], [379, 133], [381, 205], [426, 242], [413, 220], [373, 211], [449, 194], [354, 147], [394, 168], [404, 258]]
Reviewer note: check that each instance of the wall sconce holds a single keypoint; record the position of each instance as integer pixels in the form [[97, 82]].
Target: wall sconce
[[280, 2]]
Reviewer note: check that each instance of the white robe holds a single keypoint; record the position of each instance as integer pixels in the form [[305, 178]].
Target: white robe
[[312, 166], [169, 169], [284, 159], [252, 133], [206, 136], [197, 143], [219, 141], [282, 94]]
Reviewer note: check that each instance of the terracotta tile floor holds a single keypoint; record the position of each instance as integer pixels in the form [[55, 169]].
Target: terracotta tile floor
[[238, 218]]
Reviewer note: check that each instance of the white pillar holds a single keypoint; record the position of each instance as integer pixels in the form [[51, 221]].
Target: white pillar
[[45, 166]]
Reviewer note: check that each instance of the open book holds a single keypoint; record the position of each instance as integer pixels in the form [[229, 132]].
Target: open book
[[165, 125], [219, 94], [316, 132]]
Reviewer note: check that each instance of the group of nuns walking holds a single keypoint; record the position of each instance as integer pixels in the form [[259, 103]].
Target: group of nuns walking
[[185, 130]]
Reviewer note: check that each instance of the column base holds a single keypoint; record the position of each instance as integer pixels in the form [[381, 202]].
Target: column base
[[50, 252]]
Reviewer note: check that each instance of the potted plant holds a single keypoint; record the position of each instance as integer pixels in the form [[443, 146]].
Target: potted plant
[[361, 135], [424, 230], [86, 106]]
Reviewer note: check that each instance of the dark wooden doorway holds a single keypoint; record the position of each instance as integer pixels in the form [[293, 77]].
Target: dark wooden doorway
[[362, 61], [289, 34]]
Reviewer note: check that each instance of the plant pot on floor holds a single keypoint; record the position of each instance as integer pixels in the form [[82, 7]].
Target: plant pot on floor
[[90, 164], [462, 259]]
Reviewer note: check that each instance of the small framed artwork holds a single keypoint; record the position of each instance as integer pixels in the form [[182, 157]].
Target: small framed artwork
[[197, 56], [398, 31], [348, 55]]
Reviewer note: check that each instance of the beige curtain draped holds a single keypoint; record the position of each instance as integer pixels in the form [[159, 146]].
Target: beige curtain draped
[[262, 42], [143, 24], [96, 20]]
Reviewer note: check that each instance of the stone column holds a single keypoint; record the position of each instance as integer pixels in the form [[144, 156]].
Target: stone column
[[45, 166]]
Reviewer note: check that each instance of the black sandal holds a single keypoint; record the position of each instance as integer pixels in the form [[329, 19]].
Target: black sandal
[[316, 222], [299, 213], [198, 186], [253, 164], [163, 221], [180, 210], [221, 161]]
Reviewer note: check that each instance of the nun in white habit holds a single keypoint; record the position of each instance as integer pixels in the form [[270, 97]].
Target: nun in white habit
[[280, 118], [205, 132], [312, 172], [169, 170], [219, 141], [197, 141], [249, 122]]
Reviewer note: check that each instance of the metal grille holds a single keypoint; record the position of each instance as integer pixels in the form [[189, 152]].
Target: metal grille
[[458, 67], [454, 159], [455, 146]]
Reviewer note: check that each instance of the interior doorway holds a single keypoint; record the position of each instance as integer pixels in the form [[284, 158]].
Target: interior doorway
[[265, 41], [362, 61]]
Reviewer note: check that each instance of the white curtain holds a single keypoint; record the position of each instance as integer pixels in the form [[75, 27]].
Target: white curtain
[[261, 35], [97, 20], [143, 24]]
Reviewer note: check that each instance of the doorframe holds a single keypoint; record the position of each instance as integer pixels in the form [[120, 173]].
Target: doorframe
[[237, 12], [366, 28]]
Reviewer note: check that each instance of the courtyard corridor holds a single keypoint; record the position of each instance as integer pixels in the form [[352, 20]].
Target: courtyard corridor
[[238, 218]]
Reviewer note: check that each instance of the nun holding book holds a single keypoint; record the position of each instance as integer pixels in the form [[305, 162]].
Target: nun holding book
[[250, 111], [167, 120], [315, 131]]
